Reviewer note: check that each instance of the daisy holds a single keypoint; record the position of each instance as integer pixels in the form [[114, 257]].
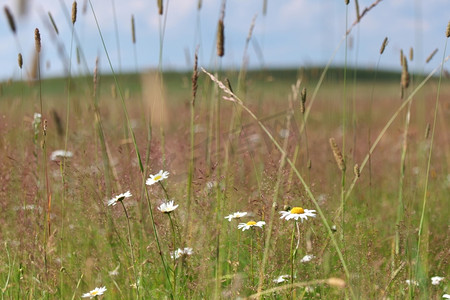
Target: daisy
[[248, 225], [167, 207], [158, 177], [236, 215], [412, 282], [281, 278], [307, 258], [180, 252], [58, 154], [446, 296], [436, 280], [118, 198], [95, 292], [298, 212]]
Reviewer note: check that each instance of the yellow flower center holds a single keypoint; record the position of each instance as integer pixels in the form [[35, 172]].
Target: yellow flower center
[[93, 293], [297, 210], [157, 177], [251, 223]]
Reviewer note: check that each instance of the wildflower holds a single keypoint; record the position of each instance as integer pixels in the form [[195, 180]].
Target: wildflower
[[298, 212], [180, 252], [446, 296], [167, 207], [118, 198], [412, 282], [58, 154], [436, 280], [115, 272], [281, 278], [307, 258], [95, 292], [248, 225], [236, 215], [37, 121], [157, 177]]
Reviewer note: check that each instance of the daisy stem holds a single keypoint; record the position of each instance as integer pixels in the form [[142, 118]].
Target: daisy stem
[[174, 255], [292, 252], [165, 191], [251, 257], [238, 248], [131, 248]]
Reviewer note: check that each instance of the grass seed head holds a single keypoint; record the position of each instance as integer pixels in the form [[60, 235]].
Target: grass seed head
[[356, 171], [95, 79], [411, 54], [405, 74], [133, 31], [383, 46], [53, 22], [337, 282], [10, 18], [303, 98], [160, 7], [337, 154], [74, 12], [447, 32], [20, 60], [220, 38], [427, 131], [37, 40], [402, 57], [195, 77], [430, 57], [78, 56]]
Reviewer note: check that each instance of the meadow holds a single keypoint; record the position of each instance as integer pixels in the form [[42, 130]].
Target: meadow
[[305, 183]]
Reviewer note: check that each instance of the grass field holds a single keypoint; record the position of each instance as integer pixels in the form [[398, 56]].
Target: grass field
[[364, 166]]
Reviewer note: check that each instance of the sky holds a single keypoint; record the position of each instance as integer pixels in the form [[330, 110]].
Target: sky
[[292, 33]]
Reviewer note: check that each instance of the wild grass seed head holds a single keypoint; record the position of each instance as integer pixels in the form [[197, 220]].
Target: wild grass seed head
[[37, 40], [74, 12], [11, 22], [20, 60], [337, 154], [53, 22]]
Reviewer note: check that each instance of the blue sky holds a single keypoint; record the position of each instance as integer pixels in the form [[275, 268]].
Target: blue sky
[[293, 33]]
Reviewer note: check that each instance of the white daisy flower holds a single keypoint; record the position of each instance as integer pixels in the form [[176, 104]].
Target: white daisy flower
[[236, 215], [118, 198], [446, 296], [58, 154], [298, 212], [307, 258], [167, 207], [248, 225], [180, 252], [95, 292], [436, 280], [281, 278], [188, 251], [412, 282], [157, 177]]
